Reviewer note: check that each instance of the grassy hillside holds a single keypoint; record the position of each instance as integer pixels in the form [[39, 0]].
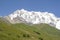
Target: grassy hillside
[[27, 32]]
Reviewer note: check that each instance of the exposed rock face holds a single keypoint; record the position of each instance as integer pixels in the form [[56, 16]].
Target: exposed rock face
[[33, 17]]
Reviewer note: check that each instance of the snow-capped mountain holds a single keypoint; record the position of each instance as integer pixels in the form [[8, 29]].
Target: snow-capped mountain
[[24, 16]]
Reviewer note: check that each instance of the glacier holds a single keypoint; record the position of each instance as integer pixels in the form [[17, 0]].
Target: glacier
[[33, 17]]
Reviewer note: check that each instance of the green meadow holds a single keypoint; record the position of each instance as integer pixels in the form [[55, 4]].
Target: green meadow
[[23, 31]]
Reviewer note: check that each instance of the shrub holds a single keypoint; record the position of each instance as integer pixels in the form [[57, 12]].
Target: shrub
[[40, 38], [37, 32], [26, 35]]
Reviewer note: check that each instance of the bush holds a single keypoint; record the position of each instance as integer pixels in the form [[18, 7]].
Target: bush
[[37, 32], [26, 35], [40, 38]]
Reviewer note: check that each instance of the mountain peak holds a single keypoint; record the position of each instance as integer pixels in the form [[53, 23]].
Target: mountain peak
[[24, 16]]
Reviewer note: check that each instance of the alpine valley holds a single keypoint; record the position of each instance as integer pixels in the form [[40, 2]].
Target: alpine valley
[[30, 25]]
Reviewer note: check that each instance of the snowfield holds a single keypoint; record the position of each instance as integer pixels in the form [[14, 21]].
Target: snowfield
[[34, 18]]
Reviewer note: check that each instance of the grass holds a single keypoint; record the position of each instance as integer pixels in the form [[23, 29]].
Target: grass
[[27, 32]]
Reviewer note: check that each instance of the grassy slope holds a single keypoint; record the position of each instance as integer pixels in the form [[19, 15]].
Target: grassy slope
[[26, 32]]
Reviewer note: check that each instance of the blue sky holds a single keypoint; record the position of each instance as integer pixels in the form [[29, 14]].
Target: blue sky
[[9, 6]]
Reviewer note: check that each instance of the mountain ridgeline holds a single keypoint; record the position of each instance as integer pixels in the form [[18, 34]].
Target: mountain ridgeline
[[33, 17], [22, 25]]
